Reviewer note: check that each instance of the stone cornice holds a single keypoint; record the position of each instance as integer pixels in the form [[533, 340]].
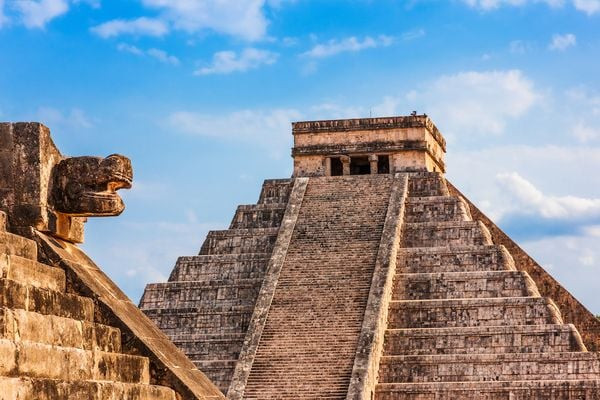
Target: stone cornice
[[362, 124]]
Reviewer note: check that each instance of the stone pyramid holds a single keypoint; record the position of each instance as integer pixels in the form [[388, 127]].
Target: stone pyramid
[[66, 330], [367, 275]]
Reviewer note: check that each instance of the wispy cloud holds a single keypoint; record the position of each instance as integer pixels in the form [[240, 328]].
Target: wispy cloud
[[226, 62], [587, 6], [157, 54], [36, 14], [3, 17], [268, 128], [138, 26], [75, 118], [349, 44], [562, 42]]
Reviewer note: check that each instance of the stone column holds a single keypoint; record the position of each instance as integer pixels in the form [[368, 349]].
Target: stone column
[[373, 159], [345, 164], [327, 166]]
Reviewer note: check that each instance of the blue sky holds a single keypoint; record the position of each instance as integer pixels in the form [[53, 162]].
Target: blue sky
[[200, 95]]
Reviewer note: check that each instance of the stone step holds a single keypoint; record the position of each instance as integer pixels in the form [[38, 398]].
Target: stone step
[[501, 311], [445, 234], [454, 259], [219, 372], [239, 241], [21, 325], [436, 209], [38, 360], [220, 266], [30, 272], [217, 293], [489, 367], [203, 322], [24, 388], [492, 390], [275, 191], [424, 184], [483, 339], [204, 347], [258, 216], [463, 285], [48, 302], [18, 246]]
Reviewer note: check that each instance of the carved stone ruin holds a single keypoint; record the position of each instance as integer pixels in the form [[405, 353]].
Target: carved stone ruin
[[66, 330]]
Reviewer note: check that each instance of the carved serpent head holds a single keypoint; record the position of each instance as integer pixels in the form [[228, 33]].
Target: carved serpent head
[[86, 186]]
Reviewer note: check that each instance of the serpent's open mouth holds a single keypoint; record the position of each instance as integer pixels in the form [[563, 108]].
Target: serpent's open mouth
[[87, 186]]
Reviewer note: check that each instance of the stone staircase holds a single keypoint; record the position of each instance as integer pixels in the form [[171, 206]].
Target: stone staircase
[[207, 304], [50, 346], [464, 323], [308, 345]]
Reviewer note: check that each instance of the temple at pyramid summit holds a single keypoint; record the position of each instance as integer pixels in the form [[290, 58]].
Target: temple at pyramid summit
[[368, 275]]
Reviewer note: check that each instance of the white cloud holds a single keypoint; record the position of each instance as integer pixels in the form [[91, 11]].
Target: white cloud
[[226, 62], [270, 128], [74, 119], [475, 102], [412, 35], [138, 26], [349, 44], [530, 199], [588, 6], [242, 18], [562, 42], [493, 4], [158, 54], [36, 14]]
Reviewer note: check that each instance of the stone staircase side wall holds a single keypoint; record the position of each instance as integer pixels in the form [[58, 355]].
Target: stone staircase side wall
[[573, 312], [265, 297], [169, 366], [370, 344]]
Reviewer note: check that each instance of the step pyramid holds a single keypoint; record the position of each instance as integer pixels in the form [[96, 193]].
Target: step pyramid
[[369, 276]]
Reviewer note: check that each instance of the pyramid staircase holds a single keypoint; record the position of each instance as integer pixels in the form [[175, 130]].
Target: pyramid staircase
[[50, 346], [309, 341], [463, 323], [208, 301]]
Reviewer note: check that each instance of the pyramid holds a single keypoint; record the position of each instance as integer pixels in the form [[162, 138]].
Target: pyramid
[[368, 275], [66, 330]]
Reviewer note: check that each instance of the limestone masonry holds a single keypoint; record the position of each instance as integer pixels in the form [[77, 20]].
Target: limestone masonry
[[367, 275], [66, 330]]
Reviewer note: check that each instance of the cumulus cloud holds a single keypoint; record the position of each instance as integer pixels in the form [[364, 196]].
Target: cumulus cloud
[[476, 102], [562, 42], [3, 18], [36, 14], [226, 62], [242, 18], [349, 44], [157, 54], [529, 199], [138, 26]]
